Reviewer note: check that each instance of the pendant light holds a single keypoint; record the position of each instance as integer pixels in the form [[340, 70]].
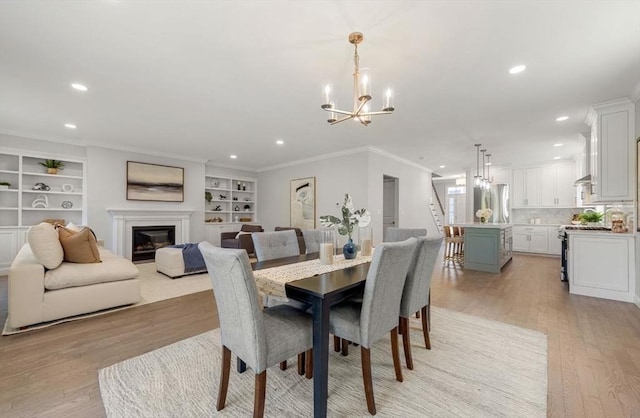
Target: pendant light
[[477, 179]]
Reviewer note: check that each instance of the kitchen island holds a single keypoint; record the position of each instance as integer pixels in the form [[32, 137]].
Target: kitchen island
[[487, 247]]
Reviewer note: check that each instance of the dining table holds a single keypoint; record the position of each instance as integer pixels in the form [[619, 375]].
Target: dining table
[[321, 291]]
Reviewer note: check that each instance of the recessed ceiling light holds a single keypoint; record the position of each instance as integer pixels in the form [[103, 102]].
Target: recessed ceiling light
[[233, 156], [562, 118], [442, 166], [556, 158], [558, 145], [70, 126], [487, 163], [517, 69], [80, 87], [280, 142]]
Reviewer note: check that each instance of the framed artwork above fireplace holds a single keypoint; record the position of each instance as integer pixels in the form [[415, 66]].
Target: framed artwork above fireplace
[[154, 182]]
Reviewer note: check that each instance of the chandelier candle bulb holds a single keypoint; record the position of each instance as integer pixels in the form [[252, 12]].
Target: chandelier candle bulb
[[365, 85]]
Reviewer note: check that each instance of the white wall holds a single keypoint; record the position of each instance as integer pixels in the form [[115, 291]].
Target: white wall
[[335, 176], [38, 146], [107, 185]]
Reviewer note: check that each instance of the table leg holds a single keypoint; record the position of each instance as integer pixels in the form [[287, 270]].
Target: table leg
[[320, 357]]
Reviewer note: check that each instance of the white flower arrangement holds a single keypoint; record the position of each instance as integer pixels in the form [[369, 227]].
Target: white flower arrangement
[[350, 218], [484, 214]]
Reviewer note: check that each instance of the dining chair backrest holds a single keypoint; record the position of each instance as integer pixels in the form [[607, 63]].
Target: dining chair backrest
[[311, 240], [447, 231], [383, 289], [240, 315], [416, 288], [278, 244], [401, 234]]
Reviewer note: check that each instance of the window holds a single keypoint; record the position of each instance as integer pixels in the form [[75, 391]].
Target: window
[[456, 198]]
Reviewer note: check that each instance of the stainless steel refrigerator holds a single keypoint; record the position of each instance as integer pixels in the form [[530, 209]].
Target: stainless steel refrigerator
[[495, 198]]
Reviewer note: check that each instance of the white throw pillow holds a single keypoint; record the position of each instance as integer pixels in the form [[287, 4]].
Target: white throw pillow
[[242, 233], [45, 245]]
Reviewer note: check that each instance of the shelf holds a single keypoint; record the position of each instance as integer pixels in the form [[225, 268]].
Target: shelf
[[9, 172], [55, 209], [221, 200], [53, 175], [8, 190], [217, 189], [52, 192], [243, 211], [216, 211], [8, 208]]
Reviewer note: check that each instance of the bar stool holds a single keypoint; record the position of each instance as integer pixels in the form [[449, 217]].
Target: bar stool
[[453, 244]]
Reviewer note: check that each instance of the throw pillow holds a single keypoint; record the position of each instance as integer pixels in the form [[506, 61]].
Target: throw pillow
[[242, 233], [44, 243], [73, 227], [79, 247]]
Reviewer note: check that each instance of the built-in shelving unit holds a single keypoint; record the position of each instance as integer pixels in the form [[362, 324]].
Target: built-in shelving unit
[[65, 198], [233, 200]]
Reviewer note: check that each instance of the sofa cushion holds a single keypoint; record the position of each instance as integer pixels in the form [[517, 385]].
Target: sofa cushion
[[79, 247], [45, 245], [113, 268]]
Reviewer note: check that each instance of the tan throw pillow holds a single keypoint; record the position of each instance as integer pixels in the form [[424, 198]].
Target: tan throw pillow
[[79, 247], [44, 243]]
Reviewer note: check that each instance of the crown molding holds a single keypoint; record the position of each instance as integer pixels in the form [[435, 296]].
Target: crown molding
[[146, 152], [592, 113], [26, 135], [635, 94], [231, 167], [398, 159], [314, 159]]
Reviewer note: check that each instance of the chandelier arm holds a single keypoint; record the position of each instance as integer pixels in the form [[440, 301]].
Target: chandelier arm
[[341, 112], [342, 119], [381, 112], [363, 102]]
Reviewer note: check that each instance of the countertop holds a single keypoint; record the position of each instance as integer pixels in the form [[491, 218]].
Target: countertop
[[486, 226], [530, 224], [599, 233]]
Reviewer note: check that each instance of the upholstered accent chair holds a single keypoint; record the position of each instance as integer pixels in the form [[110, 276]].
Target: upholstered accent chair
[[299, 236], [311, 240], [278, 244], [240, 240], [261, 338], [365, 323]]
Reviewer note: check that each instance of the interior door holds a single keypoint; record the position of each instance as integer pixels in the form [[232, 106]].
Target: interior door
[[389, 203]]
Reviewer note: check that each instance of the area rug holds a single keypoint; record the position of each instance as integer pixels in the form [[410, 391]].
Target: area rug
[[154, 287], [476, 368]]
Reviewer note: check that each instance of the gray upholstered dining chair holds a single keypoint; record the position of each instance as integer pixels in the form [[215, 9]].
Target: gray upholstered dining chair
[[416, 295], [261, 338], [277, 244], [311, 240], [365, 323]]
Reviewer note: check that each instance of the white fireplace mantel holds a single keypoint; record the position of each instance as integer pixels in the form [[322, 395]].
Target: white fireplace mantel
[[123, 221]]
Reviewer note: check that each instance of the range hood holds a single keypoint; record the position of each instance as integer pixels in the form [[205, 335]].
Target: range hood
[[583, 180]]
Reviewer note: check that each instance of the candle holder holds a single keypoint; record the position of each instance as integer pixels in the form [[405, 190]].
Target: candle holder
[[327, 245], [366, 241]]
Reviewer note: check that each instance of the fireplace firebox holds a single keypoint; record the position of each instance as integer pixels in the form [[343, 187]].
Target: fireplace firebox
[[147, 239]]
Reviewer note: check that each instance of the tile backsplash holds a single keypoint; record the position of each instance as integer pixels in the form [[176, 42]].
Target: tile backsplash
[[555, 216]]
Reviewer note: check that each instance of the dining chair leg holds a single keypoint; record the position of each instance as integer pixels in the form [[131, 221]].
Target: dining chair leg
[[429, 310], [309, 364], [365, 354], [418, 315], [345, 347], [224, 378], [301, 362], [425, 328], [258, 400], [406, 342], [283, 365], [336, 343], [396, 354]]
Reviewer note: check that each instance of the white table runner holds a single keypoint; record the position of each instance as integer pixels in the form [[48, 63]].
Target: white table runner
[[271, 281]]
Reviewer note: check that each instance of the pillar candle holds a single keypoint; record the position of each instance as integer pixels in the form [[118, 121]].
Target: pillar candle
[[326, 253], [366, 247]]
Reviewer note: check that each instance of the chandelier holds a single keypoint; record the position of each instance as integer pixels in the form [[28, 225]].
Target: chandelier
[[361, 93]]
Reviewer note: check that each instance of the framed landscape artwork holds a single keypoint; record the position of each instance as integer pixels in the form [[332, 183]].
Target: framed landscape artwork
[[154, 182], [303, 203]]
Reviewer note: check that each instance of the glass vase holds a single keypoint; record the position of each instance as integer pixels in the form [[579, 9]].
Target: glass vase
[[327, 246], [350, 250]]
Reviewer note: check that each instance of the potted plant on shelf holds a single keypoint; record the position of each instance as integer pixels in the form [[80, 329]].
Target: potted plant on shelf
[[4, 185], [52, 166], [208, 197]]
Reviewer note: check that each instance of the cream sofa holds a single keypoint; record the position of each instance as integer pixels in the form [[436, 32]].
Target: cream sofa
[[40, 295]]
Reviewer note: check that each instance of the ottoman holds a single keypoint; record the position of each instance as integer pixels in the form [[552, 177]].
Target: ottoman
[[170, 262]]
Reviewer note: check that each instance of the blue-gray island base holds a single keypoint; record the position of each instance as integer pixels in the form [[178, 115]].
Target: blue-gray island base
[[487, 247]]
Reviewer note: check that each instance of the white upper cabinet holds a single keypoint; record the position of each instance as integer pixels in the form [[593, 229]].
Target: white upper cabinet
[[556, 185], [526, 189], [612, 151]]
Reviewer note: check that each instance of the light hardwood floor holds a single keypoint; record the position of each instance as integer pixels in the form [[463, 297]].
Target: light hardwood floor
[[594, 344]]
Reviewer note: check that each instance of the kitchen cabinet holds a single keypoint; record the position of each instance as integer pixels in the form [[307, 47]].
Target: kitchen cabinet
[[526, 192], [531, 239], [601, 264], [556, 185], [555, 243], [612, 151]]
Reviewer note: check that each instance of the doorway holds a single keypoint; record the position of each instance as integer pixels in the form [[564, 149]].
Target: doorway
[[390, 203]]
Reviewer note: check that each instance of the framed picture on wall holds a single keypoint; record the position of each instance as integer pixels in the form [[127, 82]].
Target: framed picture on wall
[[154, 182], [303, 203]]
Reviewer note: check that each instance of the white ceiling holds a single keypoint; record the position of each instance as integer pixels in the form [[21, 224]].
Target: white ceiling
[[206, 79]]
